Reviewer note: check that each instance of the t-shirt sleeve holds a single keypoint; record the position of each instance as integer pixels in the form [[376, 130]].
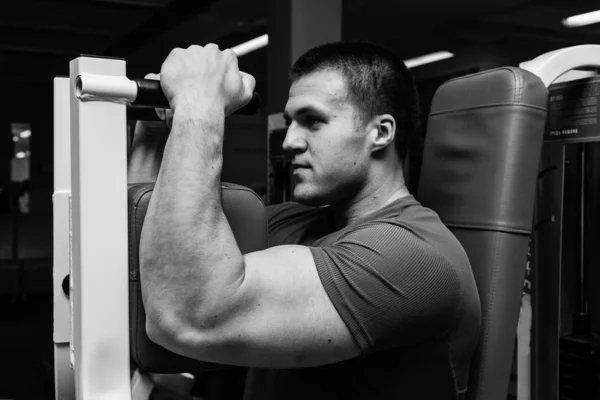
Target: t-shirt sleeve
[[275, 211], [277, 215], [389, 286]]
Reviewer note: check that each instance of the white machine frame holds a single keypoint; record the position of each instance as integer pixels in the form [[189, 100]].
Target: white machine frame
[[91, 326], [91, 175], [64, 374]]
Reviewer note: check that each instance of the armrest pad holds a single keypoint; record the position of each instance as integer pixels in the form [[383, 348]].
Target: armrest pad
[[246, 214]]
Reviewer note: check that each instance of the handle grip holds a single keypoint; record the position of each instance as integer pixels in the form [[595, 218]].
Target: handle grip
[[150, 96]]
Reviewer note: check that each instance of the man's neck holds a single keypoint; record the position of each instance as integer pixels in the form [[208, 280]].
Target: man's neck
[[368, 201]]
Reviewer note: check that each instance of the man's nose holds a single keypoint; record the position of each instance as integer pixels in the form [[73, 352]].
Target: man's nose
[[294, 141]]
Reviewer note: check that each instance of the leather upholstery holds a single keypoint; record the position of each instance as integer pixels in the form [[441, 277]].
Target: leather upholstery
[[479, 171], [246, 214]]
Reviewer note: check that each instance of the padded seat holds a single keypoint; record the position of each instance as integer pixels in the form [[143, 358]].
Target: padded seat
[[479, 172], [246, 214]]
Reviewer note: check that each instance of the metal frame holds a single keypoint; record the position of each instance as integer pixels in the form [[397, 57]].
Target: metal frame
[[116, 89], [91, 327], [552, 67], [63, 374], [99, 250], [91, 323]]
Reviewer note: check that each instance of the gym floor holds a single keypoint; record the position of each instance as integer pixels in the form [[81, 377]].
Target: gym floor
[[26, 350]]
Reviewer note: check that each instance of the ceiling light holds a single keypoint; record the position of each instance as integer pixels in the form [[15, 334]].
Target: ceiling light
[[428, 58], [25, 134], [20, 154], [251, 45], [263, 41], [582, 19]]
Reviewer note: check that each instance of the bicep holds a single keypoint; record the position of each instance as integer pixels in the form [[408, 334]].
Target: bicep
[[384, 287], [282, 317]]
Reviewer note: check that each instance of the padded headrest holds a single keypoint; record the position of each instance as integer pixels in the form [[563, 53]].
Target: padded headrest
[[506, 85], [246, 215], [482, 129], [479, 173]]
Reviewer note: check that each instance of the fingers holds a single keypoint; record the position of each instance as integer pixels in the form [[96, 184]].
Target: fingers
[[153, 76], [248, 81], [249, 85], [213, 46], [230, 54], [208, 70], [164, 115], [247, 91], [169, 117]]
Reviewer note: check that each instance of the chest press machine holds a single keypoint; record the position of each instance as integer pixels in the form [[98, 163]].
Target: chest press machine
[[479, 172]]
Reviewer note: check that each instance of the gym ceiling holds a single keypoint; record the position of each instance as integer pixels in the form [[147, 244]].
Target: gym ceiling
[[39, 37]]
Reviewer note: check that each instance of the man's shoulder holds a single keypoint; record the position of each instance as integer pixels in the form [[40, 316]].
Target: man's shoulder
[[401, 225]]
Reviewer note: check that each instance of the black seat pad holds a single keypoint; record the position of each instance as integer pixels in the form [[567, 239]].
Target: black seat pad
[[246, 214]]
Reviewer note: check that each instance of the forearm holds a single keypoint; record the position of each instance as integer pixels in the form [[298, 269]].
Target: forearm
[[190, 261], [146, 153]]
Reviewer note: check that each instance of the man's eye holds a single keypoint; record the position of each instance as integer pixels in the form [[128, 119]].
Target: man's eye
[[312, 122]]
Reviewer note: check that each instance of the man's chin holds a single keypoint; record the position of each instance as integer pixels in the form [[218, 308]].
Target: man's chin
[[309, 199]]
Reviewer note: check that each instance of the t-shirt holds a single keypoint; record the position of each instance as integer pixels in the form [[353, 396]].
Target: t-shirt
[[403, 285]]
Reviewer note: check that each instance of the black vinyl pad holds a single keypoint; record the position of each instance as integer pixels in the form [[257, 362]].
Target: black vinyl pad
[[246, 214], [479, 173]]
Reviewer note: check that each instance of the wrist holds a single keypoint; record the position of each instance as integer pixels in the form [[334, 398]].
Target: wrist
[[196, 105]]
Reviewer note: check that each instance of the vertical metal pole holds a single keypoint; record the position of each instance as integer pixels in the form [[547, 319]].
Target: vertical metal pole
[[581, 278], [64, 385], [581, 319], [100, 313]]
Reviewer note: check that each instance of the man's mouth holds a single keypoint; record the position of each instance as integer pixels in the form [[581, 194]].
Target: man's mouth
[[299, 166]]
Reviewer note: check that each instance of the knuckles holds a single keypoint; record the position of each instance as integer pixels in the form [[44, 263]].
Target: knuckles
[[175, 51], [211, 46], [181, 64], [210, 51], [229, 54]]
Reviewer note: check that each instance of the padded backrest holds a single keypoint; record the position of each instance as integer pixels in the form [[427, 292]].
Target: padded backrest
[[479, 170], [246, 215]]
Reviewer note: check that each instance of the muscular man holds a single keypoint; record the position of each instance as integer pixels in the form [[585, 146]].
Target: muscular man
[[363, 294]]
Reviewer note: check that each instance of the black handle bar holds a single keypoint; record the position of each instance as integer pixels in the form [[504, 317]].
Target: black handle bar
[[151, 96]]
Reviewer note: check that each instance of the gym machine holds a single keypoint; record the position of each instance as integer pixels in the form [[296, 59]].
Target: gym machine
[[565, 345], [91, 329]]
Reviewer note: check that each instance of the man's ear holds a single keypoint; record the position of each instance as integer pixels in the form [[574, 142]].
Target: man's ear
[[383, 129]]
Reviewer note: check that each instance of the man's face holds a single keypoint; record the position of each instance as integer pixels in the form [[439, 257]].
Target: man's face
[[330, 152]]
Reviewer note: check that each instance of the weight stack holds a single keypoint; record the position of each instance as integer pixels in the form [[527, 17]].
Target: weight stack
[[579, 368]]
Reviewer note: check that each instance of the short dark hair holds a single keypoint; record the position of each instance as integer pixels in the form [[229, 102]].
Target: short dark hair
[[378, 82]]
